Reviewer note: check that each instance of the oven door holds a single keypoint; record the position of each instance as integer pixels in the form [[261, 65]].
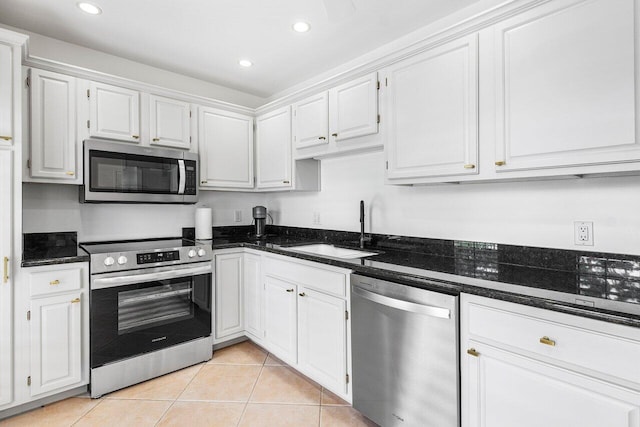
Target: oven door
[[147, 310]]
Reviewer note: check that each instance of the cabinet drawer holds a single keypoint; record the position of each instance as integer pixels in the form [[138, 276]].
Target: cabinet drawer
[[54, 281], [306, 275], [567, 343]]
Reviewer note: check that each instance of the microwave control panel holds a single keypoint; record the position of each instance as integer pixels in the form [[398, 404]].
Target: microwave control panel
[[191, 179], [154, 257]]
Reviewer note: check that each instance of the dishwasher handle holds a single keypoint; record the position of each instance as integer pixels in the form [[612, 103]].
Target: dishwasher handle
[[427, 310]]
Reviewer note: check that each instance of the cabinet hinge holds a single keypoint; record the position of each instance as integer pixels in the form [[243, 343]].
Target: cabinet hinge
[[88, 124], [28, 163], [28, 81], [29, 315], [29, 380], [386, 82], [378, 118], [88, 93], [346, 315], [378, 86], [189, 139], [347, 378], [189, 114], [386, 163]]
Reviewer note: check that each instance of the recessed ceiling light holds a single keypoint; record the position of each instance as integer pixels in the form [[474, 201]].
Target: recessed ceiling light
[[89, 8], [245, 63], [301, 27]]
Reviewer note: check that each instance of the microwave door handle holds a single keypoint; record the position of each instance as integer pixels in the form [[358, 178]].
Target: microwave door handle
[[183, 176]]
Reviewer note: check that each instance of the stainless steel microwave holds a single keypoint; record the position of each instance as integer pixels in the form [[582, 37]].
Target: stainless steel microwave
[[117, 172]]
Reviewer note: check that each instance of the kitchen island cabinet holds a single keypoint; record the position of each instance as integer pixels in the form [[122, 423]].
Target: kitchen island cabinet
[[527, 366]]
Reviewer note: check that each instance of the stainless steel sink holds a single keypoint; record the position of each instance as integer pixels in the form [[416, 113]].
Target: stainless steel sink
[[322, 249]]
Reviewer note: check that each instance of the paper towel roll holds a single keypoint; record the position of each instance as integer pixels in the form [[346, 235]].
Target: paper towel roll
[[203, 223]]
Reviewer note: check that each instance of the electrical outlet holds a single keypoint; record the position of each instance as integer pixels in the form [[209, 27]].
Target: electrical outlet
[[237, 216], [583, 233], [316, 218]]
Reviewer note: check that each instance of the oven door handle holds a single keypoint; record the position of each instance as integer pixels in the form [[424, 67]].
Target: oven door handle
[[110, 282], [183, 176]]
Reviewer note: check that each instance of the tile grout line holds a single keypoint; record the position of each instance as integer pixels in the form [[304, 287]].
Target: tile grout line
[[100, 400], [179, 394], [246, 404]]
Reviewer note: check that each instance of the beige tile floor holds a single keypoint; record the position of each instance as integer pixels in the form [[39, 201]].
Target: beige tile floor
[[242, 386]]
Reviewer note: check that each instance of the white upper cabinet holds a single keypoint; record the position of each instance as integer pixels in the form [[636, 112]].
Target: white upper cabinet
[[430, 112], [169, 122], [566, 84], [115, 112], [334, 121], [53, 147], [6, 94], [225, 142], [310, 118], [353, 108], [273, 149]]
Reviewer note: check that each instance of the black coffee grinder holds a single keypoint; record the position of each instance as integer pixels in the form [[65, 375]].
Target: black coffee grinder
[[260, 219]]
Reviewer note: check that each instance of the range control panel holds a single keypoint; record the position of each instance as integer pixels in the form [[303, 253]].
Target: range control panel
[[153, 257]]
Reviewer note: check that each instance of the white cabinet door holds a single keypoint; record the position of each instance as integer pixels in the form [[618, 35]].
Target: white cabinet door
[[353, 108], [56, 342], [311, 121], [253, 295], [6, 94], [567, 85], [6, 283], [322, 338], [115, 112], [226, 149], [53, 126], [228, 297], [169, 122], [430, 110], [273, 148], [280, 318], [502, 389]]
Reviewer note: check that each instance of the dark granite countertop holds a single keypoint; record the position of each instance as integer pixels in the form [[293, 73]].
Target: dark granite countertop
[[51, 248], [597, 285]]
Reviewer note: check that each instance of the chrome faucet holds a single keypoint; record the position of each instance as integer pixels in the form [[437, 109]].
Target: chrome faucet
[[362, 237]]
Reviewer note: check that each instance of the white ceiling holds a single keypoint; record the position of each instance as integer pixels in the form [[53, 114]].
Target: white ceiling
[[206, 38]]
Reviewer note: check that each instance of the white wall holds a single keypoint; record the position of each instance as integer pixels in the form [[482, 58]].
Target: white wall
[[50, 207], [536, 213]]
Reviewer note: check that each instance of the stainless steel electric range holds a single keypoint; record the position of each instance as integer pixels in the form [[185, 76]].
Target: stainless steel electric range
[[150, 309]]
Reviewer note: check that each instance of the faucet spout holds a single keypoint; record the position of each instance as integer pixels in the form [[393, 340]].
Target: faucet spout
[[362, 237]]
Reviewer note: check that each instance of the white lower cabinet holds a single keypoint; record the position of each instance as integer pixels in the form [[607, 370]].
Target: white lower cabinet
[[228, 296], [529, 367], [322, 340], [253, 296], [56, 340], [58, 327], [306, 319], [280, 324]]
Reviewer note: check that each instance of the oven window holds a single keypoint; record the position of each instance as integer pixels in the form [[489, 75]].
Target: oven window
[[130, 173], [157, 305]]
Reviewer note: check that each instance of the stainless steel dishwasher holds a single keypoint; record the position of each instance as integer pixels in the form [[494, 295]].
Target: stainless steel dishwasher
[[404, 354]]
